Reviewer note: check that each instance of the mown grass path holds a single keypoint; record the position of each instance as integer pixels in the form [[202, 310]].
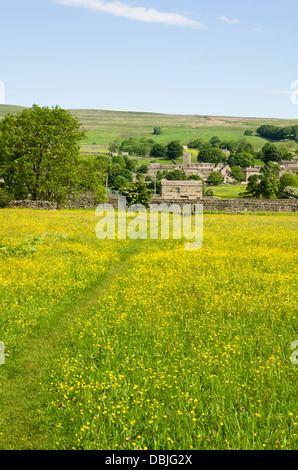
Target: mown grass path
[[21, 375]]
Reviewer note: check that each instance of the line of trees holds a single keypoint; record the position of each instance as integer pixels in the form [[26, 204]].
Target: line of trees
[[242, 152], [147, 147], [278, 133]]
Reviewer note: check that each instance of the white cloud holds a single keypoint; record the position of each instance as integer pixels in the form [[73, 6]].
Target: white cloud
[[228, 20], [147, 15]]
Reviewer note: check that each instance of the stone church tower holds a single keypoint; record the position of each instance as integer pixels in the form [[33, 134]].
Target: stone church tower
[[186, 160]]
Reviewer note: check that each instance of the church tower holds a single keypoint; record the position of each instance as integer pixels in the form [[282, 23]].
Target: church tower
[[186, 160]]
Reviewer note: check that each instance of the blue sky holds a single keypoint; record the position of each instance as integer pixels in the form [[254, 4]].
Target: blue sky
[[226, 58]]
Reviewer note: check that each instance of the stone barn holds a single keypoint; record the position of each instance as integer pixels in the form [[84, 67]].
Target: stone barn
[[191, 189]]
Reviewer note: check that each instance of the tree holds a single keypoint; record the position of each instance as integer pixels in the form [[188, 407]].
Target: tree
[[242, 145], [248, 132], [269, 186], [252, 188], [114, 146], [143, 168], [271, 153], [215, 141], [39, 153], [120, 182], [174, 150], [195, 144], [137, 193], [115, 170], [265, 185], [287, 179], [120, 160], [5, 198], [93, 173], [211, 155], [215, 178], [290, 192], [237, 174], [175, 175], [208, 192], [157, 130], [276, 133], [242, 159], [158, 151], [130, 164]]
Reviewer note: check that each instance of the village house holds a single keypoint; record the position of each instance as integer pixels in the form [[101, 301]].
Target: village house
[[286, 166], [202, 170], [190, 189]]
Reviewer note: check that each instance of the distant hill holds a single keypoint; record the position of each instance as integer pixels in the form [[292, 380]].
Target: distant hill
[[5, 109], [104, 126]]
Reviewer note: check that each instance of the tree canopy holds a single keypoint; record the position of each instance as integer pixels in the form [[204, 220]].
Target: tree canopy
[[278, 133], [174, 149], [158, 151], [265, 185], [215, 178], [40, 154]]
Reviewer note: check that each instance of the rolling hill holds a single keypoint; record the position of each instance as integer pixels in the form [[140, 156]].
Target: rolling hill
[[104, 126]]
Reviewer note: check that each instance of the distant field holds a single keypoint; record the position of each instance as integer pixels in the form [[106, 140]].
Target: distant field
[[105, 126]]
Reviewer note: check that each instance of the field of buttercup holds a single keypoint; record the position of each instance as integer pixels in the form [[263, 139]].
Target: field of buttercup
[[174, 349]]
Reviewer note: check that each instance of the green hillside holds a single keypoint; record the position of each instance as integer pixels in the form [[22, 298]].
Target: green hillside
[[104, 126]]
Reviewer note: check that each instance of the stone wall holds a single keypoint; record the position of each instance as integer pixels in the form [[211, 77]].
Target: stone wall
[[209, 203], [238, 205], [251, 205], [27, 204], [84, 201]]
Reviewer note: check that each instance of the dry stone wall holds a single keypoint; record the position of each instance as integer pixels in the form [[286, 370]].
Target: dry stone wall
[[238, 205]]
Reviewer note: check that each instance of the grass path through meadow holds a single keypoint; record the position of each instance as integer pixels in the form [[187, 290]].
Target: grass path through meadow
[[20, 397]]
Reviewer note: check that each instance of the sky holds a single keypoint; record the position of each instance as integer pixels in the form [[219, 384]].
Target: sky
[[218, 58]]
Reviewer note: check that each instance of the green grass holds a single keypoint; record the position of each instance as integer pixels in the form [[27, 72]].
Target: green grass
[[228, 191]]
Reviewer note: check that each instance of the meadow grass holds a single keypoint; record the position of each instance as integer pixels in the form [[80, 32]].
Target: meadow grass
[[174, 350], [227, 191]]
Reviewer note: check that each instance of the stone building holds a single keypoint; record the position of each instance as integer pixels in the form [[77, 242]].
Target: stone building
[[286, 166], [204, 169], [250, 171], [191, 189], [192, 168]]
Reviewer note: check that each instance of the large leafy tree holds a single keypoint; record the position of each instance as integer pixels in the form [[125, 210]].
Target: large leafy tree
[[174, 150], [215, 178], [269, 185], [237, 174], [265, 185], [39, 153], [287, 179], [158, 151], [211, 155]]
